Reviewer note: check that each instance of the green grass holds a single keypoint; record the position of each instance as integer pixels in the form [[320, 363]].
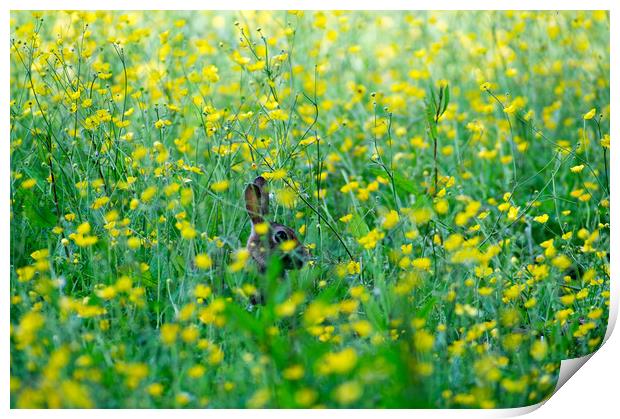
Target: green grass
[[443, 168]]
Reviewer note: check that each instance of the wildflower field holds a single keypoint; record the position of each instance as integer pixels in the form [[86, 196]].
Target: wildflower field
[[447, 171]]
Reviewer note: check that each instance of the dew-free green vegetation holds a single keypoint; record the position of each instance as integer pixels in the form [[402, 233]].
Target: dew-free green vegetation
[[449, 173]]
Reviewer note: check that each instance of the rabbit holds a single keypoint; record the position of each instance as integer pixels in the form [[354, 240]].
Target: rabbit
[[261, 247]]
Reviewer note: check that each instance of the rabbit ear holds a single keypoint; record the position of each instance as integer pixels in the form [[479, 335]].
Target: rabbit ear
[[252, 203], [263, 196]]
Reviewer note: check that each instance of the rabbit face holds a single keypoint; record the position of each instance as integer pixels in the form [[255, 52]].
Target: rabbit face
[[279, 234], [262, 246]]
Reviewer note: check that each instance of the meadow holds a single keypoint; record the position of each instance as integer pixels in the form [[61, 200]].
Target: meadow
[[448, 172]]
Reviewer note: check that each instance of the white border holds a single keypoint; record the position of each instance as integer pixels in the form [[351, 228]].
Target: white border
[[592, 393]]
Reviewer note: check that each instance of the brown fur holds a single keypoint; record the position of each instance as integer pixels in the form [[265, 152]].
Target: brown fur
[[262, 247]]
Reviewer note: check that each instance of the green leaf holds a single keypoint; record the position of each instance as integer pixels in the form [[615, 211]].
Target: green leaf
[[244, 321], [446, 100], [405, 184], [39, 214], [401, 182], [433, 99], [357, 227], [422, 313], [441, 92], [178, 262], [375, 314], [274, 268], [430, 120], [147, 279]]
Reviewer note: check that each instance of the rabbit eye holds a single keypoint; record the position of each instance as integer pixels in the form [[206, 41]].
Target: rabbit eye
[[280, 236]]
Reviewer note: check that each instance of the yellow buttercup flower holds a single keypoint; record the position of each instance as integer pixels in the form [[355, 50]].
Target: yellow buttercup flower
[[203, 261], [390, 220], [542, 219], [220, 186], [590, 114]]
